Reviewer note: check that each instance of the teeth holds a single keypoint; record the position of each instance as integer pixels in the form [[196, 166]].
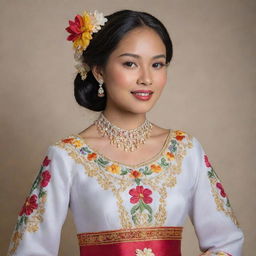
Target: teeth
[[142, 93]]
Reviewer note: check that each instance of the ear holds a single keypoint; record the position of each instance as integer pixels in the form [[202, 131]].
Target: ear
[[97, 73]]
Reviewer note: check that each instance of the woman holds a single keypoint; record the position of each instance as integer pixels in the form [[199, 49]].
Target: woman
[[129, 183]]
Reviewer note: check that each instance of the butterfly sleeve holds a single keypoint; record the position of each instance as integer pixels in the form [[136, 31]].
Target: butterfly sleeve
[[210, 211], [38, 228]]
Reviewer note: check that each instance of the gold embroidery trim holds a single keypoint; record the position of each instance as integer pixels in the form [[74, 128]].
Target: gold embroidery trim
[[220, 202], [130, 235], [118, 184]]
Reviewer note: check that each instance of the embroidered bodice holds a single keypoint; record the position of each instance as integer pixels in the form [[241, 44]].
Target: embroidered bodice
[[112, 201]]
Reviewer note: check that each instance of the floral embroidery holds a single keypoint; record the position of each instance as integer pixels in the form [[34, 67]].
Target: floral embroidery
[[29, 206], [32, 211], [92, 156], [114, 168], [156, 168], [180, 135], [206, 160], [144, 252], [141, 197], [170, 155], [46, 176], [135, 174], [220, 196], [220, 187], [155, 176]]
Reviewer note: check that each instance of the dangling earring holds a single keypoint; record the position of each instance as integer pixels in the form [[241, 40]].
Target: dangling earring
[[101, 90]]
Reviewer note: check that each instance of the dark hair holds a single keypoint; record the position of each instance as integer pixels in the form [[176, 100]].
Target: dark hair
[[104, 42]]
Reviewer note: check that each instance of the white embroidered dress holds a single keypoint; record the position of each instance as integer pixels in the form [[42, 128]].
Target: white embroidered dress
[[111, 202]]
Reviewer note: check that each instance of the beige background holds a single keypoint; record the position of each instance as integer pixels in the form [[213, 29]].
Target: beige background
[[210, 94]]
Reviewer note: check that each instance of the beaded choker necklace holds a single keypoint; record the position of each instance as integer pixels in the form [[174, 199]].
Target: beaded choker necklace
[[127, 140]]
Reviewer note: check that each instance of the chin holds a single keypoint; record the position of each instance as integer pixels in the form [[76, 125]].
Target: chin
[[141, 109]]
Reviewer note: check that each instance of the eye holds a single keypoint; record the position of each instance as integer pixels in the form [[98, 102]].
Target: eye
[[158, 65], [129, 64]]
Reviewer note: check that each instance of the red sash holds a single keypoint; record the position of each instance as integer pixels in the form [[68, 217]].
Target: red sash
[[151, 241]]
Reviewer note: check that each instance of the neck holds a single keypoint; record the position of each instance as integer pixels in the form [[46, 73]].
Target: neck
[[125, 120]]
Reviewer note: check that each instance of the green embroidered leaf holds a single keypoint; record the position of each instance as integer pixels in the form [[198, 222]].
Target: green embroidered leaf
[[42, 192], [84, 150], [141, 206], [101, 162], [25, 219], [210, 174], [147, 171], [228, 203], [135, 208], [37, 180], [150, 218], [163, 162], [124, 171], [143, 170], [174, 142], [147, 207], [137, 181], [21, 220]]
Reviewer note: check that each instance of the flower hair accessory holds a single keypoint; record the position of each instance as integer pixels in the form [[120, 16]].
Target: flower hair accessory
[[81, 30]]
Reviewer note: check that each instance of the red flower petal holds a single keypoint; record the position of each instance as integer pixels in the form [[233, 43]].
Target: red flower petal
[[180, 137], [147, 192], [219, 185], [79, 20], [147, 200], [29, 205], [206, 160], [223, 194], [133, 192], [46, 178], [139, 189], [46, 161], [134, 199]]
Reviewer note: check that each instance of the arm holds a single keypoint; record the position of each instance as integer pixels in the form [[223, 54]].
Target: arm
[[211, 213], [40, 220]]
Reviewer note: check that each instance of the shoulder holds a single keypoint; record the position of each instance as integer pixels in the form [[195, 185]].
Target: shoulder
[[62, 148]]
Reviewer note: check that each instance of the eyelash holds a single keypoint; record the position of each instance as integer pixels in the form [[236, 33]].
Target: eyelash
[[130, 63]]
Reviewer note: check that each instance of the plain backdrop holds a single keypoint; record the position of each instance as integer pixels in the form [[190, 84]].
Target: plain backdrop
[[210, 94]]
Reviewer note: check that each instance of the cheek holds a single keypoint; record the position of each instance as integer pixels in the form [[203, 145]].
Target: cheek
[[161, 80], [119, 77]]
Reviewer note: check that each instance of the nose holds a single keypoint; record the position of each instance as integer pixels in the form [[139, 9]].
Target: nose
[[144, 77]]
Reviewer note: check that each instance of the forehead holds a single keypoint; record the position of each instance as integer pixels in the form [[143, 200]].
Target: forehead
[[141, 41]]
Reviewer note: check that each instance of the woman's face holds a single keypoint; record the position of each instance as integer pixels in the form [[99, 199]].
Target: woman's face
[[136, 72]]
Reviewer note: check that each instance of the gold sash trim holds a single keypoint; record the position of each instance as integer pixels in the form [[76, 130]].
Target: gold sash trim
[[130, 235]]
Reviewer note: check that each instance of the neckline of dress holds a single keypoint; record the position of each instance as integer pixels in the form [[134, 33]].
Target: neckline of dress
[[144, 163]]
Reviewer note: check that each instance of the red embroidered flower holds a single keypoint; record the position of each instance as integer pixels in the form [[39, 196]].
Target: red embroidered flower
[[46, 178], [140, 193], [67, 140], [135, 174], [220, 187], [29, 206], [91, 156], [46, 161], [180, 135], [206, 160]]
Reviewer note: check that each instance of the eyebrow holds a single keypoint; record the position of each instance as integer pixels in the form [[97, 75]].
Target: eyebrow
[[137, 56]]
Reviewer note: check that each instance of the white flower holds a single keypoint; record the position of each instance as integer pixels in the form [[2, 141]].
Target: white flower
[[98, 20], [145, 252], [83, 69]]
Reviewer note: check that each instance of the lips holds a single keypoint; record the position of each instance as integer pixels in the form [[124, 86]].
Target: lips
[[142, 92], [143, 95]]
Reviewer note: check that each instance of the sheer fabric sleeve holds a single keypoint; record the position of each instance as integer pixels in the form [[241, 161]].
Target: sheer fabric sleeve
[[40, 219], [211, 213]]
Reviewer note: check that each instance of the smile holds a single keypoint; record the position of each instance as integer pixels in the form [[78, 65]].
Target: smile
[[142, 95]]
